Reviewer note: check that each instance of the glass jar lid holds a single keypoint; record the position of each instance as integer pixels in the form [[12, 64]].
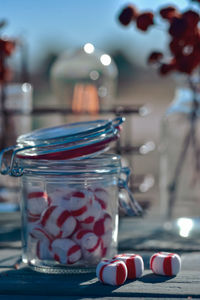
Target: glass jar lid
[[75, 140]]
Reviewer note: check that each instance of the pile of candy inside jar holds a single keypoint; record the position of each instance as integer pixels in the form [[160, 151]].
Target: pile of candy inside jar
[[69, 225]]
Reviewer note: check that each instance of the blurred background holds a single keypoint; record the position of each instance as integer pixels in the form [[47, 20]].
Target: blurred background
[[52, 34]]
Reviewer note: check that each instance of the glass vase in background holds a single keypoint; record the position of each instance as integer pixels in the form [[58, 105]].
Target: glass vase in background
[[84, 81], [15, 119], [179, 160]]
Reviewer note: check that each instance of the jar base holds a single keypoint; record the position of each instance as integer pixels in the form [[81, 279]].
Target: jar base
[[61, 269]]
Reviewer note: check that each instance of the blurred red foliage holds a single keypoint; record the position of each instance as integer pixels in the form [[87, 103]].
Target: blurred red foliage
[[184, 32], [6, 49]]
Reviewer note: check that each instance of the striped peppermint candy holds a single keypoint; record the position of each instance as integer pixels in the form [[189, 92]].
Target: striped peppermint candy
[[66, 251], [43, 250], [58, 221], [37, 232], [164, 263], [134, 264], [87, 239], [102, 225], [102, 196], [61, 197], [83, 207], [37, 202], [113, 272]]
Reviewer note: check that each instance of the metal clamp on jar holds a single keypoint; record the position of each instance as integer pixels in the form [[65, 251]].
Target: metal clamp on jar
[[69, 194]]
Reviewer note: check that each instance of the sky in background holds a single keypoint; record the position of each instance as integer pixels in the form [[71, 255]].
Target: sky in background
[[62, 24]]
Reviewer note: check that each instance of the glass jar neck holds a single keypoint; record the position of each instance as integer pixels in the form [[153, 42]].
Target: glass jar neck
[[104, 164]]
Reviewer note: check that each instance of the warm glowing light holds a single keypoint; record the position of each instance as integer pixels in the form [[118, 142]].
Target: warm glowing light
[[185, 226], [105, 59], [85, 99], [88, 48]]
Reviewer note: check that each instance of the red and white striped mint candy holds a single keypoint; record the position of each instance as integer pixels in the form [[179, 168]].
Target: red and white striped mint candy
[[43, 250], [37, 202], [102, 196], [134, 264], [60, 197], [83, 208], [91, 244], [113, 272], [87, 240], [37, 232], [32, 219], [102, 225], [58, 221], [66, 251], [92, 215], [164, 263]]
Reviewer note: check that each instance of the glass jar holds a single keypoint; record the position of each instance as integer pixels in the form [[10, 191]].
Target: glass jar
[[179, 163], [84, 80], [69, 195], [70, 217]]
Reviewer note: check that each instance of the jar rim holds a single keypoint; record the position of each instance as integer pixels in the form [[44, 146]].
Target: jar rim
[[105, 163]]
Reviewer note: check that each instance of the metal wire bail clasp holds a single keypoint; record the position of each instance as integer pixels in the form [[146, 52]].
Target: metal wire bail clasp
[[8, 163], [128, 204], [116, 122]]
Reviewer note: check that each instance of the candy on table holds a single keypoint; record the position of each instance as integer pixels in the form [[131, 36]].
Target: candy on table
[[43, 250], [58, 221], [66, 251], [164, 263], [37, 202], [113, 272], [134, 264]]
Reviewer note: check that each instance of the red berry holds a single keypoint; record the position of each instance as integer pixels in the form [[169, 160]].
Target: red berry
[[191, 17], [154, 57], [167, 68], [169, 12], [144, 20], [178, 27], [128, 14]]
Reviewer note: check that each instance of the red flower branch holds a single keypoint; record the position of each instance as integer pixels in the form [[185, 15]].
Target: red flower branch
[[183, 56], [184, 31]]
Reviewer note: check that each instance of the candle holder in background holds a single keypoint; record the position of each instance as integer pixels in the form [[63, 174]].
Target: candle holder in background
[[84, 81]]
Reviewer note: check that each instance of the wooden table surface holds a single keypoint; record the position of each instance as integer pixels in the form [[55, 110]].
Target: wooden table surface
[[24, 283]]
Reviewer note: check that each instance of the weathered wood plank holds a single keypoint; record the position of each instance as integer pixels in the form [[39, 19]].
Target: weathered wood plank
[[17, 284], [28, 282]]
